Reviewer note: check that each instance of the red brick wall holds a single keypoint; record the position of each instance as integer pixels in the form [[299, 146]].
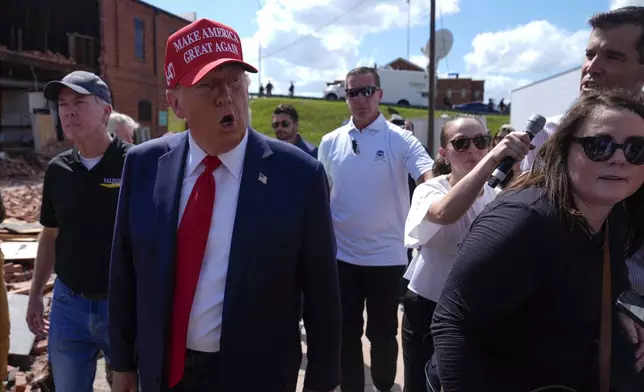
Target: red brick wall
[[457, 86], [130, 78]]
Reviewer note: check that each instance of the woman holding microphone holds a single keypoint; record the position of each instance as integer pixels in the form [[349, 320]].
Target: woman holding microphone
[[442, 210], [529, 302]]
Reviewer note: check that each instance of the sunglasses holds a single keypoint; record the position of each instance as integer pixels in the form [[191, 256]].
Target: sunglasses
[[365, 91], [463, 144], [283, 124], [602, 148]]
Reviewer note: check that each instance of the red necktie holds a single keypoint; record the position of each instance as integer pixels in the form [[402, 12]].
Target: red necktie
[[191, 246]]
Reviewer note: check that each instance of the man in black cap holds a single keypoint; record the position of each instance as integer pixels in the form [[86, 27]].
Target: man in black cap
[[80, 195]]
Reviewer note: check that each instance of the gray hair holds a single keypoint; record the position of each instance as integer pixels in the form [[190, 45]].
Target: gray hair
[[117, 119]]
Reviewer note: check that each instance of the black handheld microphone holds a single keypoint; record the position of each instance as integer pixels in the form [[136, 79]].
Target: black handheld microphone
[[534, 125]]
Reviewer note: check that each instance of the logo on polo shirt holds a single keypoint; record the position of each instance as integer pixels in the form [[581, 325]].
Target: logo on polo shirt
[[380, 156], [111, 182]]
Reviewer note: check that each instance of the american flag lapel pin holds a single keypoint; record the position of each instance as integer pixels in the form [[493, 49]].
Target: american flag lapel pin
[[262, 178]]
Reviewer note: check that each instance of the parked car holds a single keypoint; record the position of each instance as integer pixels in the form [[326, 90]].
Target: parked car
[[475, 108]]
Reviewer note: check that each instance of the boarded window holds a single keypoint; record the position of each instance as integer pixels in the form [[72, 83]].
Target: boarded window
[[139, 39], [145, 110]]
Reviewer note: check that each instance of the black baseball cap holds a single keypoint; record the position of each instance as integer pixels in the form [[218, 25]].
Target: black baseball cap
[[82, 82]]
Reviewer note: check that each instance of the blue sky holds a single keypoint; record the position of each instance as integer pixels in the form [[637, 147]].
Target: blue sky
[[497, 41]]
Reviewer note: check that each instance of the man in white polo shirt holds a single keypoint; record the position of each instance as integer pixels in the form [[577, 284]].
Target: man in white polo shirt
[[367, 161]]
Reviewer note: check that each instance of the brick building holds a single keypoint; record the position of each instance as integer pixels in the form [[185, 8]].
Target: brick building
[[134, 35], [42, 40], [459, 90]]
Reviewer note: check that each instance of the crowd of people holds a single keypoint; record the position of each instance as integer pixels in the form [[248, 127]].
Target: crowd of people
[[190, 260]]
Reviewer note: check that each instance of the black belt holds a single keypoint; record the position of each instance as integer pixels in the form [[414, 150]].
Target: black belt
[[198, 357]]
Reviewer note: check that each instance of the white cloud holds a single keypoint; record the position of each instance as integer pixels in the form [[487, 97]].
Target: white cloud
[[297, 46], [537, 47], [500, 86], [623, 3], [419, 59], [514, 57]]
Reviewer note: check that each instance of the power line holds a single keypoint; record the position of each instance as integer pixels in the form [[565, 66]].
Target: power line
[[332, 21]]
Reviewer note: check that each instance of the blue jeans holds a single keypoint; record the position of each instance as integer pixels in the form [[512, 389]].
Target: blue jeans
[[77, 332]]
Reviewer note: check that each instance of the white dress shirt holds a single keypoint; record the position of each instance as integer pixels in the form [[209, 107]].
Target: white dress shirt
[[204, 327]]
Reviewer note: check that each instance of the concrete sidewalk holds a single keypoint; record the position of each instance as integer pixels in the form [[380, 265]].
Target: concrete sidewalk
[[367, 360], [100, 385]]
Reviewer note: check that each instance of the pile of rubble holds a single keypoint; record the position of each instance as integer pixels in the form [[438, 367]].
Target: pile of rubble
[[19, 167], [37, 54], [28, 363], [23, 201], [21, 177]]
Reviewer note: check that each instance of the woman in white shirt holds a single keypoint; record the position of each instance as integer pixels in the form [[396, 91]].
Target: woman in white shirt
[[442, 209]]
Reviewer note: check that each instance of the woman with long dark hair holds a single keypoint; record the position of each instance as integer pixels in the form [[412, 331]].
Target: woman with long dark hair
[[528, 302], [441, 211]]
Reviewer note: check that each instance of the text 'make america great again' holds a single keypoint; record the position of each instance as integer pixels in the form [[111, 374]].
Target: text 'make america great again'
[[206, 47]]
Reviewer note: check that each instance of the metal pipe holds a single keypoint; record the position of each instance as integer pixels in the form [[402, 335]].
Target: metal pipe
[[22, 84], [432, 76]]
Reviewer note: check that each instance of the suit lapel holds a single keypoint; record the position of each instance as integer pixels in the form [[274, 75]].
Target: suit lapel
[[250, 206], [167, 192]]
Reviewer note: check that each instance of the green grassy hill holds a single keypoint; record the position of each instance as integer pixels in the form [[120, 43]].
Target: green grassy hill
[[320, 117]]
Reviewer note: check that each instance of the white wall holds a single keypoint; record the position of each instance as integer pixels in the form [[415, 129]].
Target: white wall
[[37, 101], [548, 97]]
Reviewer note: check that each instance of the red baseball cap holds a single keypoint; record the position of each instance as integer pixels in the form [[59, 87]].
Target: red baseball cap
[[198, 48]]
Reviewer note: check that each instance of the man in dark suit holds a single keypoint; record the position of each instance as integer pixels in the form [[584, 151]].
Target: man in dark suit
[[219, 231], [286, 122]]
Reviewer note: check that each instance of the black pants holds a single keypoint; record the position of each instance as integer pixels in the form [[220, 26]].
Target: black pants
[[417, 343], [379, 287], [201, 373], [404, 282]]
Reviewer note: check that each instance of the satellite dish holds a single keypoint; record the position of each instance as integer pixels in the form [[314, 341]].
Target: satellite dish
[[444, 41]]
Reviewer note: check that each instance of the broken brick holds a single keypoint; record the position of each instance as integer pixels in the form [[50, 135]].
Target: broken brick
[[20, 382], [19, 278]]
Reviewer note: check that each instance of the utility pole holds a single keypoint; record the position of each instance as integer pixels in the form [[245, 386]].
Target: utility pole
[[408, 29], [259, 66], [432, 75], [259, 57]]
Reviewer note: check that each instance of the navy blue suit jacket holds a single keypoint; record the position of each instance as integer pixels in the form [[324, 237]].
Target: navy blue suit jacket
[[283, 246], [307, 147]]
